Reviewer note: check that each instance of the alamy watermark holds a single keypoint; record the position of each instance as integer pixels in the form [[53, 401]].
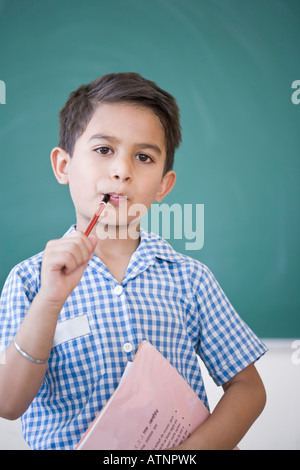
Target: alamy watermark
[[176, 221], [2, 92], [180, 222], [296, 353], [296, 94]]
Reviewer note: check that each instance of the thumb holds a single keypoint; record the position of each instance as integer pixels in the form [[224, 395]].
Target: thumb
[[94, 241]]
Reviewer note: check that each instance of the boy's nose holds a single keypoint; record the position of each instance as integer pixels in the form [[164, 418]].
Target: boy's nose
[[122, 171]]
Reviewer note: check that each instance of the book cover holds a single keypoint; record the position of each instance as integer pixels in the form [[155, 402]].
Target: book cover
[[153, 408]]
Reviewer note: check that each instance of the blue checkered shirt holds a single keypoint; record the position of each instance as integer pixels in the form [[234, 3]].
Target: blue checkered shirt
[[167, 298]]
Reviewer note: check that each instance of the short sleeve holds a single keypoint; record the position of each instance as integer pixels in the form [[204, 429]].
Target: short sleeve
[[227, 344], [18, 292]]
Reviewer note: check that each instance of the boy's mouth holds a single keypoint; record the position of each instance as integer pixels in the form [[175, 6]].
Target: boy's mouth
[[116, 198]]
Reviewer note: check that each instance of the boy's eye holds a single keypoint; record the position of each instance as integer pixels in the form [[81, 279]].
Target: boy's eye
[[144, 158], [103, 150]]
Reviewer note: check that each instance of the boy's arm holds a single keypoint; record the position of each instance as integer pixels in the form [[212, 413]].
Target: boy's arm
[[63, 265], [241, 404]]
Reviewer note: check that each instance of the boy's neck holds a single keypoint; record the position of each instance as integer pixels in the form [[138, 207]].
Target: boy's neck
[[120, 245]]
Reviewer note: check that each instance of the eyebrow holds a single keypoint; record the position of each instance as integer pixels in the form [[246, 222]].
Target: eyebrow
[[114, 140]]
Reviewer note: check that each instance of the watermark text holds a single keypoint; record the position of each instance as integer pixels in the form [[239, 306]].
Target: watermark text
[[176, 221], [296, 353], [2, 92], [296, 94]]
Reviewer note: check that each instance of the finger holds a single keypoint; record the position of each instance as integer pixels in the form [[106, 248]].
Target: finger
[[90, 242], [72, 265], [63, 261], [73, 252], [94, 240]]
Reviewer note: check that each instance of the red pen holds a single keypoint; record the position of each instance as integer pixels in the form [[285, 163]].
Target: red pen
[[97, 214]]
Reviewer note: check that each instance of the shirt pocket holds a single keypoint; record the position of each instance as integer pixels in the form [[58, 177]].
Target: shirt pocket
[[77, 361]]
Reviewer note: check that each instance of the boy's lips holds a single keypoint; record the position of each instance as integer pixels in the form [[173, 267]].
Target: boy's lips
[[117, 198]]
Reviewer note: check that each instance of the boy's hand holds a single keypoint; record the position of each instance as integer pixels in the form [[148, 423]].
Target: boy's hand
[[63, 265]]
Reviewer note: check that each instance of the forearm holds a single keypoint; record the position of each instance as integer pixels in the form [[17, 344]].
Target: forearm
[[20, 379], [63, 265], [239, 407]]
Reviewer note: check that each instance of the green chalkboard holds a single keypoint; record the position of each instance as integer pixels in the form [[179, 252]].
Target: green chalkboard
[[231, 65]]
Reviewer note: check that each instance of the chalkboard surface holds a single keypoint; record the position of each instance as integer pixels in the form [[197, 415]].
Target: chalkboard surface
[[231, 66]]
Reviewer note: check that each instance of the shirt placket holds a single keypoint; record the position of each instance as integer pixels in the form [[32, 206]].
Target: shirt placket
[[140, 261], [128, 345]]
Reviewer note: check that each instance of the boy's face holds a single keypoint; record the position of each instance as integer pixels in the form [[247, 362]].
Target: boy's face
[[122, 152]]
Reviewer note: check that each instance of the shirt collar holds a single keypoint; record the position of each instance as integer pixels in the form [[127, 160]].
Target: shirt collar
[[151, 247], [154, 245]]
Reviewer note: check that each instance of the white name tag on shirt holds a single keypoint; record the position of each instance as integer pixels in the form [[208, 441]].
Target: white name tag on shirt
[[70, 329]]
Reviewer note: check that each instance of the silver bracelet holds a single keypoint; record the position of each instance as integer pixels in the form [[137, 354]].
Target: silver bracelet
[[30, 358]]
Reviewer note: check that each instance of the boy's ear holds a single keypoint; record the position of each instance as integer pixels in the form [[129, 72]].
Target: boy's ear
[[166, 185], [59, 160]]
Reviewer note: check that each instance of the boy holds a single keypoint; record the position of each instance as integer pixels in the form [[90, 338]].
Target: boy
[[73, 316]]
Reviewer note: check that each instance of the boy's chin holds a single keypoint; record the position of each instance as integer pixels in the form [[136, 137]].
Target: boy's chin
[[118, 231]]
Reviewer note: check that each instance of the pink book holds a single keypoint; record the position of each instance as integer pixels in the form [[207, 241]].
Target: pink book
[[153, 408]]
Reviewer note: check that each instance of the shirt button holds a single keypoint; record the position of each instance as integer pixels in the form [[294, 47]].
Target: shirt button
[[118, 290], [127, 347]]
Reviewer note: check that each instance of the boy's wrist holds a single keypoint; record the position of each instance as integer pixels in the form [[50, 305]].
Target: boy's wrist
[[36, 333], [46, 305]]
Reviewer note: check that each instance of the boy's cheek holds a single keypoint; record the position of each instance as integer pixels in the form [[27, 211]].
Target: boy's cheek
[[83, 192]]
